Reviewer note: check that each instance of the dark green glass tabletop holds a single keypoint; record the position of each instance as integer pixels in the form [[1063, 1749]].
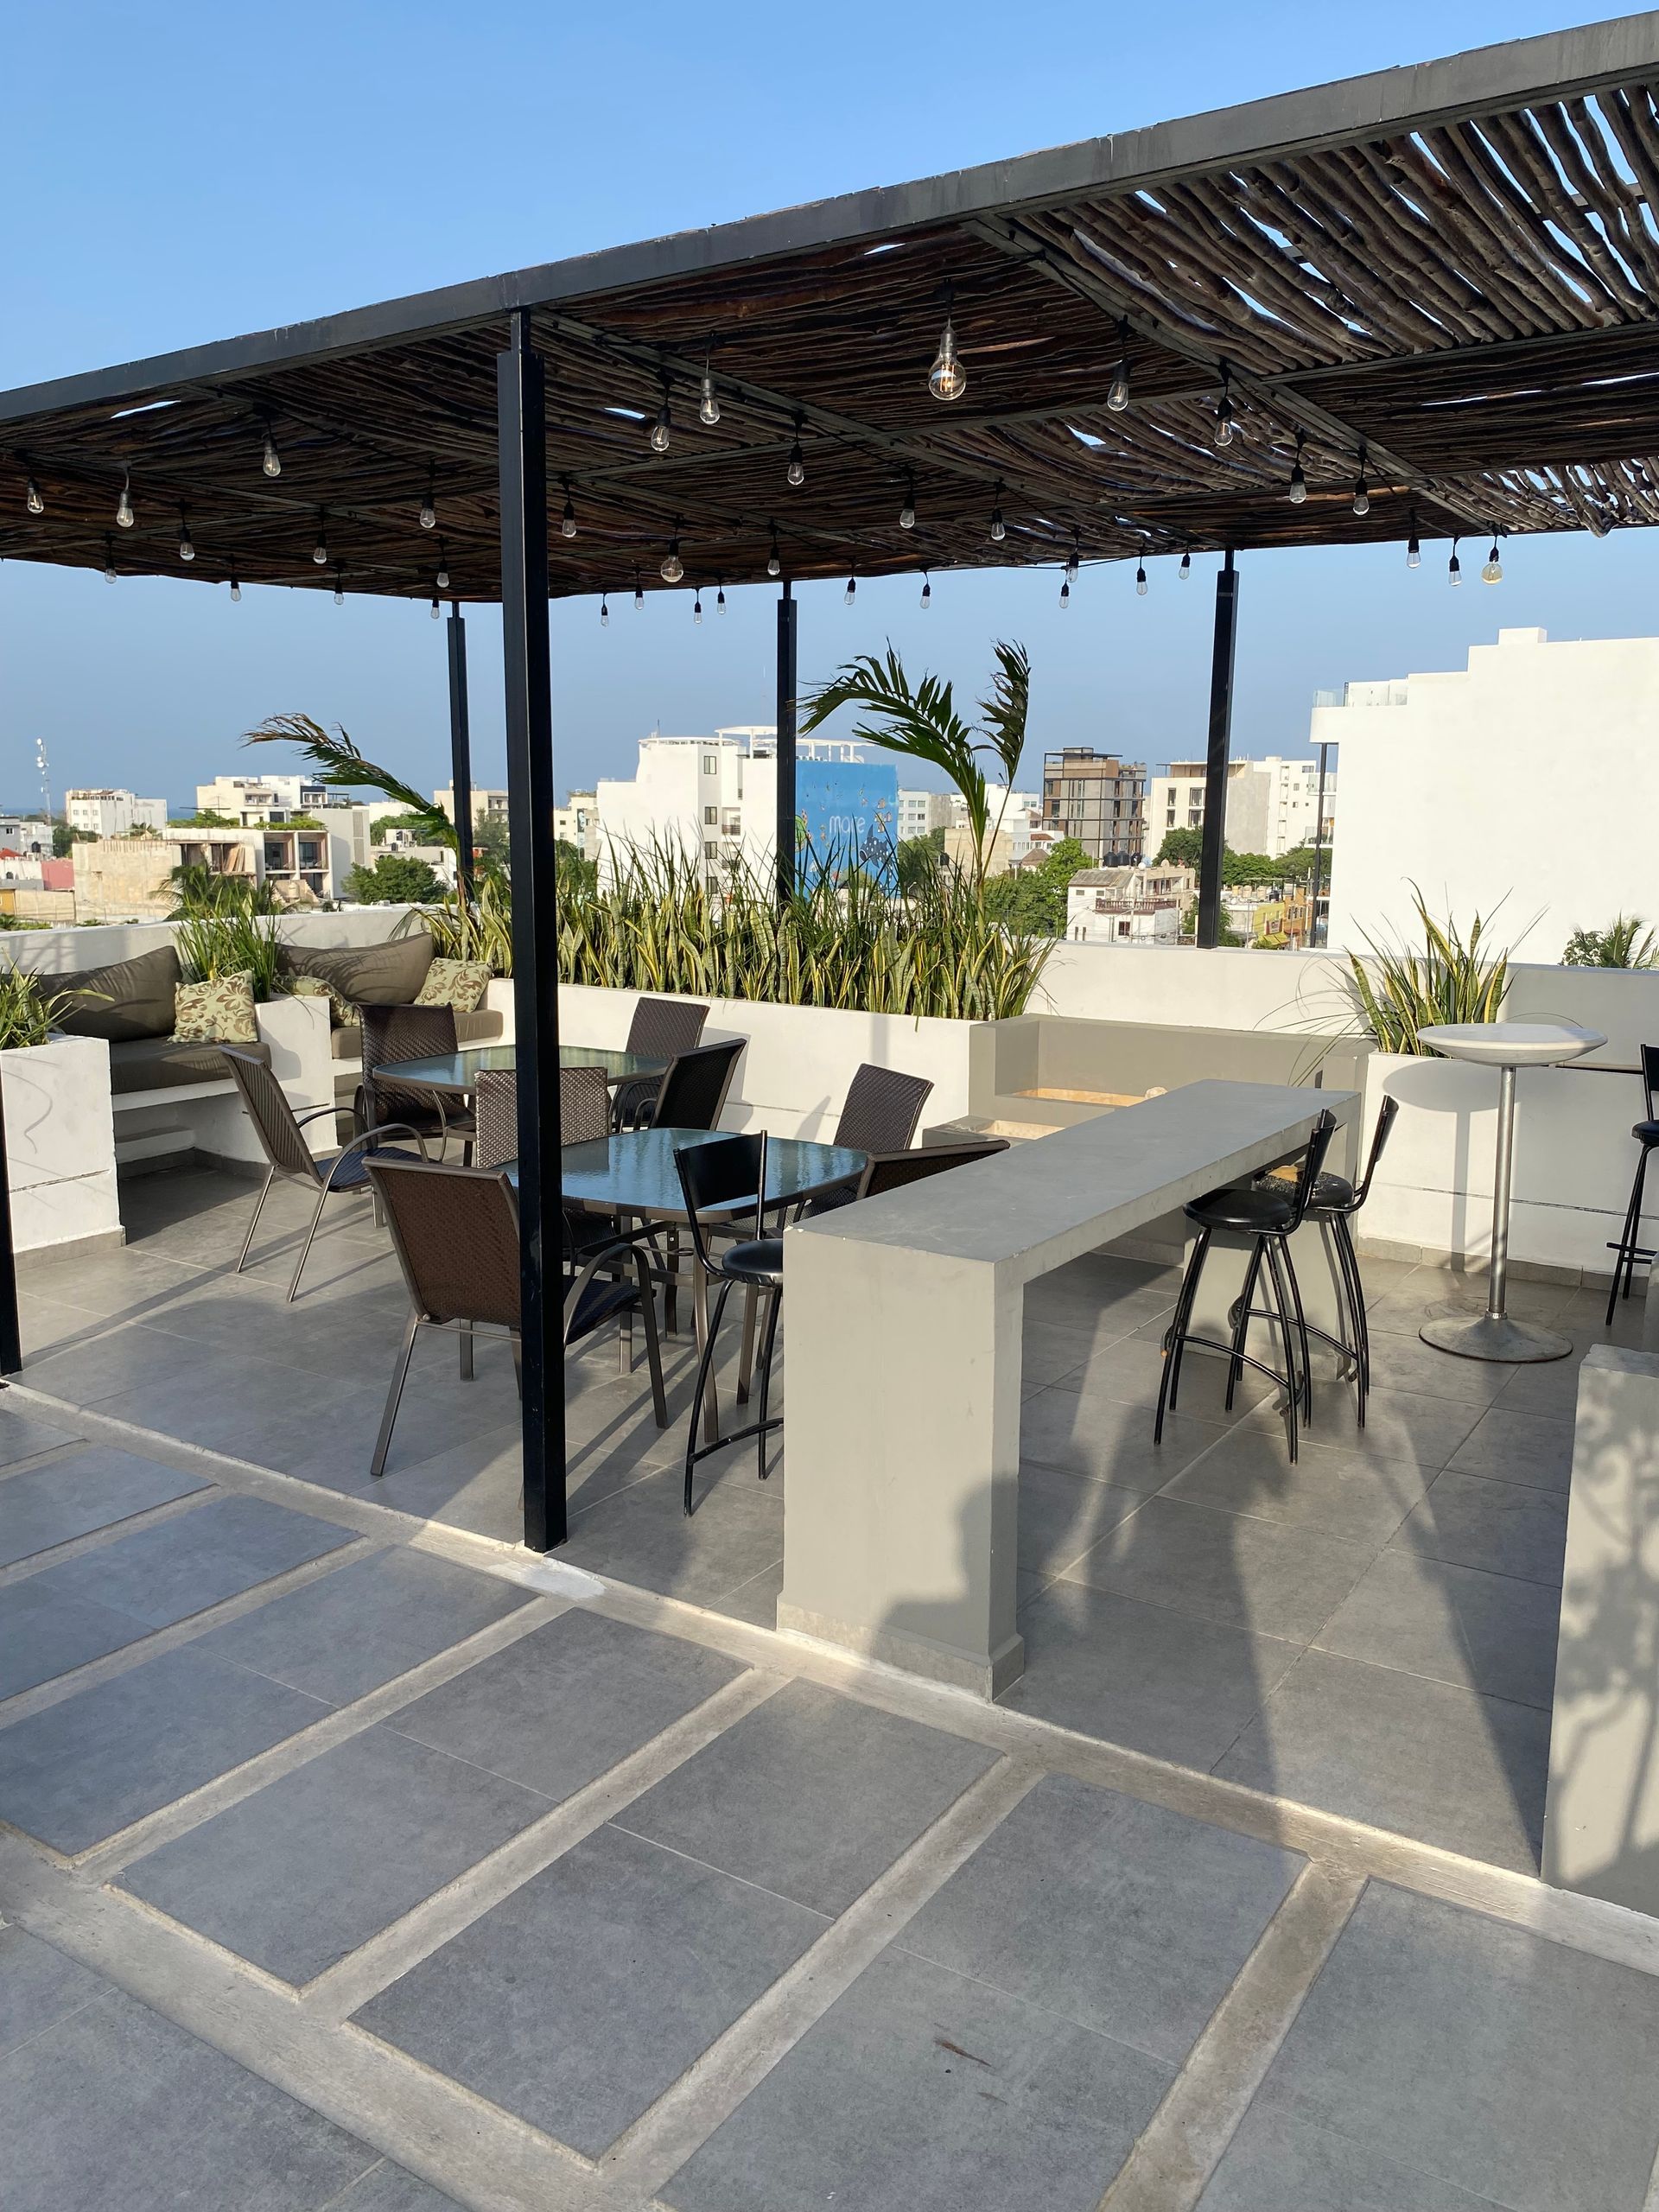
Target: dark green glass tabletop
[[633, 1172], [458, 1071]]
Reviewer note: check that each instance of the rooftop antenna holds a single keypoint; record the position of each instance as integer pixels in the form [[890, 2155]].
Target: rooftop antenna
[[45, 767]]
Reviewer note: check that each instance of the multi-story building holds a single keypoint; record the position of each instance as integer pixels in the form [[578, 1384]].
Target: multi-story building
[[577, 823], [25, 835], [488, 806], [1272, 805], [1128, 906], [1522, 788], [253, 801], [921, 813], [113, 813], [1098, 798]]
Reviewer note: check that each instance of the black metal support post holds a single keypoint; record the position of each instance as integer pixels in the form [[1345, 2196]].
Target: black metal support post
[[11, 1346], [786, 825], [522, 441], [460, 749], [1221, 739], [1319, 851]]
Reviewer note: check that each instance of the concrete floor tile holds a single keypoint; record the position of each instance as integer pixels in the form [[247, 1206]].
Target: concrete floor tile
[[811, 1795], [580, 1998], [1131, 1372], [1061, 1516], [1455, 1624], [370, 1621], [1503, 1527], [1278, 2159], [1547, 1386], [1126, 1918], [39, 1986], [1107, 1440], [922, 2091], [91, 1765], [73, 1495], [1402, 1427], [44, 1634], [24, 1434], [99, 1367], [1447, 1765], [311, 1866], [564, 1703], [1224, 1566], [251, 1408], [77, 2102], [387, 2188], [1484, 2055], [641, 1534], [165, 1573], [1338, 1493], [755, 1600], [1408, 1365], [1156, 1681], [1513, 1446]]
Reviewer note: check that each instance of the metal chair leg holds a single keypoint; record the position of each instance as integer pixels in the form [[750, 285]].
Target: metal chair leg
[[399, 1377], [765, 1373], [1289, 1266], [1173, 1341], [1178, 1351], [1629, 1243], [653, 1349], [705, 1335], [745, 1358], [1283, 1313], [704, 1362], [258, 1208], [1242, 1326], [305, 1249]]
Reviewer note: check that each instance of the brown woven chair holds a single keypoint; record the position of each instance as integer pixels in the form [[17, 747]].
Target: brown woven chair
[[660, 1027], [879, 1115], [692, 1095], [455, 1232], [410, 1032], [280, 1131], [584, 1111]]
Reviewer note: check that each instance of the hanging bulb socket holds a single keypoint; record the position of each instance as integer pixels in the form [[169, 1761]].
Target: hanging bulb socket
[[1455, 567], [1074, 559], [236, 583], [907, 512], [604, 612], [638, 594], [320, 551], [108, 560], [1224, 409], [187, 543], [568, 519], [32, 498], [928, 591], [797, 470], [1297, 493], [1414, 551], [697, 606], [999, 528], [708, 405], [851, 592], [947, 379], [1362, 489], [662, 430], [1066, 593], [1117, 392], [1493, 571], [774, 565], [673, 568], [339, 586], [442, 577], [124, 504], [272, 460], [720, 600], [430, 507], [1184, 572], [435, 608], [1140, 581]]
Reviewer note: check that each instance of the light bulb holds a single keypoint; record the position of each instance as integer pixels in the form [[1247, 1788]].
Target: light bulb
[[1455, 567], [1140, 582], [639, 596], [124, 509], [1298, 492], [673, 568], [429, 514], [708, 406], [1065, 593], [947, 379], [1184, 571], [774, 566], [435, 610], [719, 601], [907, 516], [696, 608], [927, 594], [604, 612], [1362, 497], [851, 592], [1413, 553], [1071, 566], [1493, 571], [320, 553], [999, 528], [109, 560], [340, 593], [1223, 421], [441, 579], [796, 469], [235, 588], [660, 431], [187, 543], [36, 503], [568, 519], [272, 463]]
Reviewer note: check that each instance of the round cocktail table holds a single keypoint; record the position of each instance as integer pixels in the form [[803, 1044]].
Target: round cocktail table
[[1505, 1045]]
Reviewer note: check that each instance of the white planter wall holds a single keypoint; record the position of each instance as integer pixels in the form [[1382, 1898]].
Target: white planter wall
[[1221, 988], [60, 1149], [793, 1077]]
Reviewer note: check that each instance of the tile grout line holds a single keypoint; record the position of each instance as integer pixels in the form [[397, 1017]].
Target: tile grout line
[[1181, 2145], [683, 2119], [19, 1571]]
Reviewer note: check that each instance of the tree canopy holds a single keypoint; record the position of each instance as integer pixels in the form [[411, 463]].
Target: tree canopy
[[396, 880]]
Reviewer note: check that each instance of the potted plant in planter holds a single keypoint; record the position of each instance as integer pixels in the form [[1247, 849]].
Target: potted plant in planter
[[59, 1141]]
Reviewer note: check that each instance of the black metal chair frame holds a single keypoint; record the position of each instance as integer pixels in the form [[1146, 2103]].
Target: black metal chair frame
[[1271, 1252], [578, 1320], [698, 1166], [351, 1158], [658, 1027], [1628, 1253]]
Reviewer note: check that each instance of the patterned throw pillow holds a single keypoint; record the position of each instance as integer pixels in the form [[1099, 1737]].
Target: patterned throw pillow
[[218, 1012], [458, 983], [340, 1011]]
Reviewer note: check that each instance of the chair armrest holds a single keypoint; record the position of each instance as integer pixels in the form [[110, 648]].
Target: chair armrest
[[386, 1129], [312, 1112]]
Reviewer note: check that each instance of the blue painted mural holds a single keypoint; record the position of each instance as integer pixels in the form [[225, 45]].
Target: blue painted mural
[[847, 817]]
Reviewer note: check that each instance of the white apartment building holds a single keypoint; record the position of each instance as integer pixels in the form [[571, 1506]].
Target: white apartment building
[[921, 813], [21, 834], [1128, 906], [488, 806], [1523, 786], [1272, 805], [255, 800], [577, 823], [113, 813]]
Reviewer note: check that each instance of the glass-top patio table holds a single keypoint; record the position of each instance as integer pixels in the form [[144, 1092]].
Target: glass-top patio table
[[633, 1172], [458, 1071]]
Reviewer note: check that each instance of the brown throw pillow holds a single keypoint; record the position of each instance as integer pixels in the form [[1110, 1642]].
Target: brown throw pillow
[[389, 973], [218, 1012], [458, 983], [125, 1000]]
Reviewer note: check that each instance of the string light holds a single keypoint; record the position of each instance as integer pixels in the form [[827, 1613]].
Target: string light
[[907, 512], [720, 600], [187, 544], [796, 469], [109, 559], [1493, 571], [1455, 567], [928, 591], [124, 504], [1065, 591], [568, 519], [236, 585], [662, 429], [673, 568], [696, 604], [1224, 409], [638, 594], [1074, 559], [1117, 392], [339, 586], [429, 506], [1298, 492], [604, 612], [273, 462], [1414, 551], [34, 503], [851, 592], [1141, 579], [1362, 489], [774, 565], [999, 528], [947, 379], [320, 551], [442, 577], [1184, 572], [708, 405], [435, 608]]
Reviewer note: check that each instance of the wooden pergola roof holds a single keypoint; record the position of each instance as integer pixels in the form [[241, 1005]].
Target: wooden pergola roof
[[1452, 270]]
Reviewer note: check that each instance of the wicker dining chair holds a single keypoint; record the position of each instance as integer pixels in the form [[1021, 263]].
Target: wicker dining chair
[[692, 1093], [879, 1115], [455, 1232], [280, 1131], [660, 1027], [410, 1032]]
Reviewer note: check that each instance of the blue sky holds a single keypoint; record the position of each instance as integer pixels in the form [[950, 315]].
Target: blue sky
[[197, 171]]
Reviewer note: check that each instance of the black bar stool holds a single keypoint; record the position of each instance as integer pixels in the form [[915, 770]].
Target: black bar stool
[[1630, 1251], [1271, 1214]]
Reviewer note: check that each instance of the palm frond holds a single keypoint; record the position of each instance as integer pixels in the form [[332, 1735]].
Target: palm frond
[[340, 765], [1005, 711]]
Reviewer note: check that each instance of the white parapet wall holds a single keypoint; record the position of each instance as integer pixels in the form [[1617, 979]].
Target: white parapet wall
[[60, 1149], [793, 1077]]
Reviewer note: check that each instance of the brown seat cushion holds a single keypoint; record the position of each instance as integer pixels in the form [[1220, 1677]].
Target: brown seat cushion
[[368, 975], [482, 1027], [128, 1000], [162, 1064]]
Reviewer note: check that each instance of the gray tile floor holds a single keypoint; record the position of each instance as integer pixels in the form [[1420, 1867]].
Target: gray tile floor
[[1202, 1600], [559, 1884]]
